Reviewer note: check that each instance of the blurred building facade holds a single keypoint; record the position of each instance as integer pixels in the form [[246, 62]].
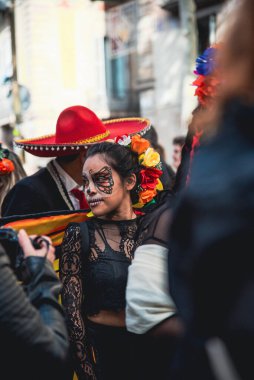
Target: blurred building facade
[[6, 111], [60, 55], [147, 37]]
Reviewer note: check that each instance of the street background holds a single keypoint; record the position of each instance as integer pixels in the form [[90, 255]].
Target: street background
[[119, 58]]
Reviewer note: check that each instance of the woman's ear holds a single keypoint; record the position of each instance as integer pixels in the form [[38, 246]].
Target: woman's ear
[[131, 182]]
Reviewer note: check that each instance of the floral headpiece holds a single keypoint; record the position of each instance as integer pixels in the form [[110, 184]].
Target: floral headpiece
[[150, 164], [6, 165], [208, 78]]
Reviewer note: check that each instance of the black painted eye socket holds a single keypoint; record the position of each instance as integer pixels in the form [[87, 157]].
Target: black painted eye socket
[[103, 180]]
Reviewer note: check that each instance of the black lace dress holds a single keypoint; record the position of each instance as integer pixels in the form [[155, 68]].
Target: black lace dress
[[93, 281]]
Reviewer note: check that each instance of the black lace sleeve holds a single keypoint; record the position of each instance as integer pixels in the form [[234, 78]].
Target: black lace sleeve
[[71, 271]]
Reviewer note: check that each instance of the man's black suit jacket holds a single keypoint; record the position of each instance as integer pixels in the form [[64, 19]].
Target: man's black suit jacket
[[34, 194]]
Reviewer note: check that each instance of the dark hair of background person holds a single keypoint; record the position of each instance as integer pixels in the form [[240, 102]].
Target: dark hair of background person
[[178, 140], [8, 180], [168, 176], [123, 160]]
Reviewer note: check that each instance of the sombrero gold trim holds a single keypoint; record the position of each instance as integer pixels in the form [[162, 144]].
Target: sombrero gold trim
[[80, 142]]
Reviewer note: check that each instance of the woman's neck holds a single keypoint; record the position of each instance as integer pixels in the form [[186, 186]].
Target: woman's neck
[[123, 213]]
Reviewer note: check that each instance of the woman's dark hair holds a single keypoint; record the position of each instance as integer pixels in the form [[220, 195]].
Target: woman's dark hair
[[122, 159]]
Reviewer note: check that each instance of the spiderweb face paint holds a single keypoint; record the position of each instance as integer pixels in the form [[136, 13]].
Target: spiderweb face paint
[[102, 180]]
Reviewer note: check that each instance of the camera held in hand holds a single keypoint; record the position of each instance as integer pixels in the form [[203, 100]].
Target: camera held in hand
[[9, 240]]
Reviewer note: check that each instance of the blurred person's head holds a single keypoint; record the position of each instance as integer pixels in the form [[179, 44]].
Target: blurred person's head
[[178, 143], [237, 55], [235, 60]]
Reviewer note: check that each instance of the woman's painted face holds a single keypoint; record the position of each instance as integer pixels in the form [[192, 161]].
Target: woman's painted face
[[104, 189]]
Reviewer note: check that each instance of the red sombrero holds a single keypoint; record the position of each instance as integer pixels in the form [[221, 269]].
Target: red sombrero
[[78, 127]]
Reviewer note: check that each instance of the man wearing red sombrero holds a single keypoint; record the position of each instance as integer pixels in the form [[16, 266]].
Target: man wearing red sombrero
[[59, 185]]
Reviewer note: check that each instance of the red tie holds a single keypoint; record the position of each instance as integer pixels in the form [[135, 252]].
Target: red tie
[[79, 194]]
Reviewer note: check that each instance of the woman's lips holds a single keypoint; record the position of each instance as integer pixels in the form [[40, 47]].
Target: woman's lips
[[95, 202]]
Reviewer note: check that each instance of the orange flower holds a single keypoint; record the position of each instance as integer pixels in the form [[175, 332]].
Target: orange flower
[[139, 145], [147, 195], [151, 158]]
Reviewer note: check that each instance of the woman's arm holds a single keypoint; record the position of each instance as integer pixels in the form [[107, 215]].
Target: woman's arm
[[71, 272]]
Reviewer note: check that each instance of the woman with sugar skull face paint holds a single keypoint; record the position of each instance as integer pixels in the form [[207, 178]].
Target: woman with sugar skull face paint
[[106, 192], [115, 177]]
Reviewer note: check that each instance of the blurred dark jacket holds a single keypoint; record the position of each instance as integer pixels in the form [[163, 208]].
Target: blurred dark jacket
[[211, 265], [34, 341], [34, 194]]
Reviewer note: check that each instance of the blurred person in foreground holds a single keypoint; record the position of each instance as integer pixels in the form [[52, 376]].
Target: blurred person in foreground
[[34, 340], [212, 231], [150, 309], [11, 171], [207, 88]]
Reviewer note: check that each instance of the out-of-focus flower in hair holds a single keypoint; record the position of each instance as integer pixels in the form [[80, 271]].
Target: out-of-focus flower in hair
[[124, 140], [206, 62], [207, 70], [139, 145], [6, 165], [149, 171]]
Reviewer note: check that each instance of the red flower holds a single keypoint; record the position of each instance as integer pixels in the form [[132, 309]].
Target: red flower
[[6, 166], [207, 88], [149, 178]]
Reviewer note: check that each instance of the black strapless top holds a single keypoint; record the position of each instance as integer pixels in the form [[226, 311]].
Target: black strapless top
[[112, 247]]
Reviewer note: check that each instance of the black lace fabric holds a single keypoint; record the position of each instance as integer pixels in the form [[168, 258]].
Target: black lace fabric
[[154, 228], [120, 237], [85, 290]]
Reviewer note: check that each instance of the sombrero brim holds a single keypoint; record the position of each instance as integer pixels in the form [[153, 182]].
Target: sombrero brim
[[46, 146]]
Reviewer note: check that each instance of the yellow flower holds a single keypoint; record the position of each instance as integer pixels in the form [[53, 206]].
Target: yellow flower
[[151, 158], [140, 158], [138, 205], [159, 185]]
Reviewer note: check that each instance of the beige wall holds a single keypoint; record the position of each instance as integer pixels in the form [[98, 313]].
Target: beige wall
[[60, 60]]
